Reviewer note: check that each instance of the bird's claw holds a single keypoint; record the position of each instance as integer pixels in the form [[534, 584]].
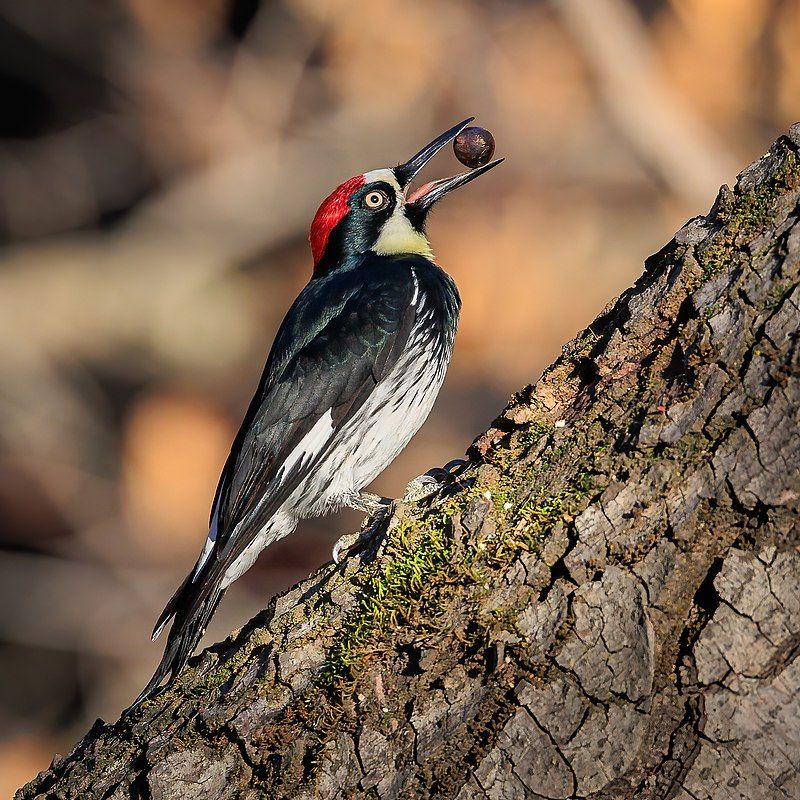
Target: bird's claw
[[344, 544], [373, 505], [379, 508], [421, 487], [426, 485], [353, 542]]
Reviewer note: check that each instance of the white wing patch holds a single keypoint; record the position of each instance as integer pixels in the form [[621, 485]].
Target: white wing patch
[[308, 447], [208, 546], [311, 443]]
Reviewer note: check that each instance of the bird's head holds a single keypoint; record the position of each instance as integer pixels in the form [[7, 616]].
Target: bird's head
[[375, 212]]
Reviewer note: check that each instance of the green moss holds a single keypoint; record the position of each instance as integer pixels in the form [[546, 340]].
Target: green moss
[[418, 551], [747, 216], [776, 295], [711, 311], [533, 521], [410, 591], [533, 434]]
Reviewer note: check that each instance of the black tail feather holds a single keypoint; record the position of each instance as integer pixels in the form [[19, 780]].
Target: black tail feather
[[192, 606], [171, 608]]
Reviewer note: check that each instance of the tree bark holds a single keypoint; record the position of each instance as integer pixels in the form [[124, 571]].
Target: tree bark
[[605, 606]]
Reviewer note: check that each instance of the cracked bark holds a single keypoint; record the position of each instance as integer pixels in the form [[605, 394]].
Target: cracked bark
[[608, 606]]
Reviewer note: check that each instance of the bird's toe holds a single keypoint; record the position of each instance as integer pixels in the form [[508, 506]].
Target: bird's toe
[[424, 486], [421, 487], [352, 543], [344, 545]]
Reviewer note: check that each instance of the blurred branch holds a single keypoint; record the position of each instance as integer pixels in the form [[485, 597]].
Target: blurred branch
[[124, 290], [198, 229], [768, 65], [67, 179], [73, 606], [667, 136]]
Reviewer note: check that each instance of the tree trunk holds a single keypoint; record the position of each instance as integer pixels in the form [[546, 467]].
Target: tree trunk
[[607, 606]]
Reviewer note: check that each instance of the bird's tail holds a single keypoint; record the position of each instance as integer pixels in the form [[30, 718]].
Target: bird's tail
[[191, 607]]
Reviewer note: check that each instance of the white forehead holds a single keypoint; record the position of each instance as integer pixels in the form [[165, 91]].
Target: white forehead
[[386, 175]]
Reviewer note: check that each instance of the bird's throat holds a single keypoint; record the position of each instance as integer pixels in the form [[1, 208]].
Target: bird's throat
[[398, 236]]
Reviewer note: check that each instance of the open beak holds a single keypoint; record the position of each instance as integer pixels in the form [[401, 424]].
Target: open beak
[[420, 201]]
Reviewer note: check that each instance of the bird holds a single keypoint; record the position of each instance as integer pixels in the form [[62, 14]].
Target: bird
[[352, 374]]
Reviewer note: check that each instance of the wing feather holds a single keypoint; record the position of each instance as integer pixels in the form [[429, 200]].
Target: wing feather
[[332, 371]]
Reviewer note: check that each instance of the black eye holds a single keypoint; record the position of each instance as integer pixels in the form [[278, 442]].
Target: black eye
[[376, 200]]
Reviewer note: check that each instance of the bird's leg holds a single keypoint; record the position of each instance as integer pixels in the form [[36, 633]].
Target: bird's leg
[[368, 503], [376, 508], [434, 479]]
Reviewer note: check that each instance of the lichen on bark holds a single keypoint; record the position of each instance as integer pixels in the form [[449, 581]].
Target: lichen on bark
[[605, 606]]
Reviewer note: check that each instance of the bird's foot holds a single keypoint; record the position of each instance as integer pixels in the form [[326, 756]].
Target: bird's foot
[[433, 480], [373, 505], [344, 544], [377, 509]]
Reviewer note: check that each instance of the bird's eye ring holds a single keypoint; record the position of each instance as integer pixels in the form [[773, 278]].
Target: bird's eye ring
[[375, 200]]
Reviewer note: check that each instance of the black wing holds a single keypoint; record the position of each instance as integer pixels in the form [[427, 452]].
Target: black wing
[[342, 335]]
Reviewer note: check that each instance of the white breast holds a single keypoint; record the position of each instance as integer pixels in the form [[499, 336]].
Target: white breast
[[388, 420]]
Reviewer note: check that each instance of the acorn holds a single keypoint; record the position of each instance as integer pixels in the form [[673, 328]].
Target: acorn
[[474, 147]]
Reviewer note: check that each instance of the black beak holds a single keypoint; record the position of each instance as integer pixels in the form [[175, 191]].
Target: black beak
[[419, 203], [405, 173]]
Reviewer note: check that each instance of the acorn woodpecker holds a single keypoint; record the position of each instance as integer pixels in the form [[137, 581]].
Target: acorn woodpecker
[[353, 373]]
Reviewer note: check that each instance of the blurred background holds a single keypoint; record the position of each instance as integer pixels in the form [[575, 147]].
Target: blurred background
[[159, 165]]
